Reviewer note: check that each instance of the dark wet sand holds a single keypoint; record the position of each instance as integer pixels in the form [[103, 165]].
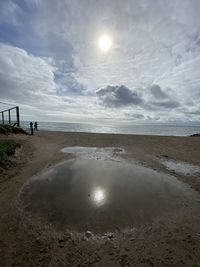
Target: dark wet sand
[[172, 239]]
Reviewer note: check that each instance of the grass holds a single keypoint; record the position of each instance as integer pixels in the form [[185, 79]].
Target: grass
[[7, 148], [8, 129]]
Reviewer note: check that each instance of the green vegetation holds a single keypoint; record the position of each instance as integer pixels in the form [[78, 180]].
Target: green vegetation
[[7, 148], [8, 129]]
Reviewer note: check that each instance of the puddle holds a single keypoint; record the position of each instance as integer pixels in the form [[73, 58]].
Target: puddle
[[104, 153], [101, 195], [181, 167]]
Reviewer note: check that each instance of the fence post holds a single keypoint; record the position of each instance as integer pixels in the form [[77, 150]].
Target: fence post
[[9, 116], [2, 118], [17, 114]]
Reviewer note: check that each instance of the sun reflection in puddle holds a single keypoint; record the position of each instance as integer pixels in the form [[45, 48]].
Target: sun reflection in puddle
[[99, 196]]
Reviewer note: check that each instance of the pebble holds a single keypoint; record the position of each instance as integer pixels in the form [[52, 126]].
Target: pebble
[[88, 234], [43, 250], [110, 236]]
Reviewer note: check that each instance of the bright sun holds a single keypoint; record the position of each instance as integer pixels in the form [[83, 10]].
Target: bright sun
[[105, 43]]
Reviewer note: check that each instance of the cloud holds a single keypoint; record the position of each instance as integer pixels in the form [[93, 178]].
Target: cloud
[[157, 92], [119, 96], [138, 116], [30, 82], [49, 57], [169, 104], [131, 115], [164, 99], [24, 77]]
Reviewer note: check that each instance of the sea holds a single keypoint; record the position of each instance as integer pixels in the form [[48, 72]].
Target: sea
[[141, 129]]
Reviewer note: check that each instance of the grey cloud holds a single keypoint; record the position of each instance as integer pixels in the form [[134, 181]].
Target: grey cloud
[[122, 96], [138, 116], [135, 116], [162, 99], [119, 96], [166, 104], [157, 92]]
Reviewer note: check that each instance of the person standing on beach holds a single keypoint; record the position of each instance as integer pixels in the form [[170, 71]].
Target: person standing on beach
[[35, 126], [31, 127]]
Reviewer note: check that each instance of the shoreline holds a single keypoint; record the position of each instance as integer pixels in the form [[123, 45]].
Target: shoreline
[[27, 241], [108, 133], [138, 129]]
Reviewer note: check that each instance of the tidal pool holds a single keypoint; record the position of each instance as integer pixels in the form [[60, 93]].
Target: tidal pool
[[102, 195]]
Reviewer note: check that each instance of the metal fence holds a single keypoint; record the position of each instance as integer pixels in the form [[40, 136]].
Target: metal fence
[[10, 115]]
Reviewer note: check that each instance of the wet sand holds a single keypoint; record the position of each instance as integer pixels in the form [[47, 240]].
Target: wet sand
[[172, 239]]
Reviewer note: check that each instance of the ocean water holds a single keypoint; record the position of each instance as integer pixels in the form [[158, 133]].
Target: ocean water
[[144, 129]]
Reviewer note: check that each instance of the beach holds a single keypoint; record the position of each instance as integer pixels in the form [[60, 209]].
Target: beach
[[172, 240]]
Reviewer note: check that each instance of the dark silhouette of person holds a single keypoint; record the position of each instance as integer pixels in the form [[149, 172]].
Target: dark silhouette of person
[[31, 127], [35, 126]]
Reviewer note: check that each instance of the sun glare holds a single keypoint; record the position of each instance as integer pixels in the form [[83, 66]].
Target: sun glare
[[105, 43], [99, 196]]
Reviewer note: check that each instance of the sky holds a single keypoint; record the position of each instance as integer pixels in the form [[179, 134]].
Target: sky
[[52, 67]]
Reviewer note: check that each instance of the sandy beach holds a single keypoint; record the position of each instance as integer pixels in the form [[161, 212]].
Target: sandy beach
[[170, 240]]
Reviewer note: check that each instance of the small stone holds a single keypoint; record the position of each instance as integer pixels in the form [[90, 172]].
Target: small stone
[[110, 236], [118, 150], [42, 250], [165, 156], [88, 234]]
